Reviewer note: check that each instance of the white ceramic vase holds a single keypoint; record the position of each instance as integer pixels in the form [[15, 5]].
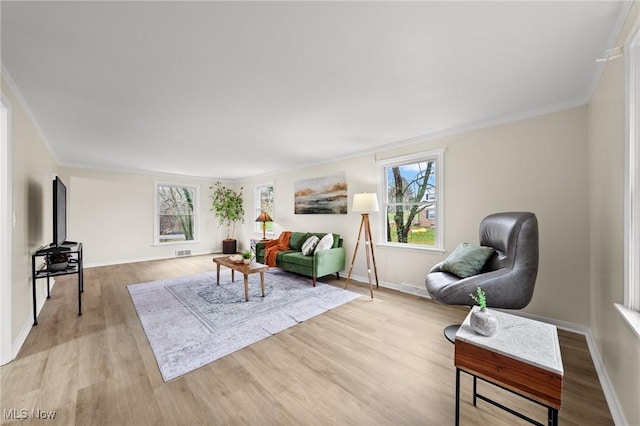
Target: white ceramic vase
[[246, 261], [483, 322]]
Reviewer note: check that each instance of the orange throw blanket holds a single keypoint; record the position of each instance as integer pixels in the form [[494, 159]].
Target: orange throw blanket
[[271, 248]]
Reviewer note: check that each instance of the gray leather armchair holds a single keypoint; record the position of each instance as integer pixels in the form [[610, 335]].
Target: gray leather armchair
[[509, 275]]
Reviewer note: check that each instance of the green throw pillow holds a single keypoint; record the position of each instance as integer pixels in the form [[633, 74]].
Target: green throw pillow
[[297, 240], [466, 260]]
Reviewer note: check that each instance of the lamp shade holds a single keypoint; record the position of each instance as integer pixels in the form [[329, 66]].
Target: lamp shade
[[264, 217], [365, 202]]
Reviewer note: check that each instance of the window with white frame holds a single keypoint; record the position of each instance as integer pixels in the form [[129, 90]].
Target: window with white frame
[[176, 213], [632, 184], [412, 200], [264, 203]]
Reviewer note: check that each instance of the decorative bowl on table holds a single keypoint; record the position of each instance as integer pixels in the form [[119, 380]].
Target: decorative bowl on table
[[236, 258], [57, 267]]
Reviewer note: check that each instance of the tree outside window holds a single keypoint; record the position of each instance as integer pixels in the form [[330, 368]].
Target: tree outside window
[[412, 200], [176, 213]]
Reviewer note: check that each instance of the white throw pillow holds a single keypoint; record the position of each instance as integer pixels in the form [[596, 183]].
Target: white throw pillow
[[325, 243], [310, 245]]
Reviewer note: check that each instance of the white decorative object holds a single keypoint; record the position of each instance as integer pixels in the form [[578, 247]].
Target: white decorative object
[[246, 261], [483, 322], [325, 243]]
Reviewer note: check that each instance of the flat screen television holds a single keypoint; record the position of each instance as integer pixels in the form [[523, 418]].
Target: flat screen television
[[59, 213]]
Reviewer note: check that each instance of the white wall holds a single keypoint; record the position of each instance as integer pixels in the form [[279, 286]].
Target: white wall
[[619, 347], [360, 175], [112, 214], [33, 168], [538, 164]]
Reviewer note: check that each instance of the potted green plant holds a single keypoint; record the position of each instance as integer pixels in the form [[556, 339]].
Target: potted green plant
[[246, 257], [481, 320], [480, 298], [227, 205]]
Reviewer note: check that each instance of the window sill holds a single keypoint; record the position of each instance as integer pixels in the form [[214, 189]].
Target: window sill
[[411, 247], [631, 317]]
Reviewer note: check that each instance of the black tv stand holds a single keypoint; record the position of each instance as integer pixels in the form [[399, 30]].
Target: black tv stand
[[65, 246], [57, 249], [74, 267]]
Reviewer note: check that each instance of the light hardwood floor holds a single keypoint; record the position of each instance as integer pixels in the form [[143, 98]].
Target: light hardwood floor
[[380, 362]]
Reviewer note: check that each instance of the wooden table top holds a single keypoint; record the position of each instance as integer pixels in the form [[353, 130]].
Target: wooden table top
[[245, 268]]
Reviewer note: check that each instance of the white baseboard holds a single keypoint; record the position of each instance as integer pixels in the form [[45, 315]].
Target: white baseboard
[[609, 392], [16, 345], [403, 288], [140, 259], [607, 388]]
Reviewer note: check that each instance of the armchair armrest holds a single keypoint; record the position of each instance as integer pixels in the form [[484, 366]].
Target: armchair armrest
[[500, 285], [260, 251], [327, 262]]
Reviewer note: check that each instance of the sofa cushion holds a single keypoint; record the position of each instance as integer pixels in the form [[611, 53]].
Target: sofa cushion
[[466, 260], [310, 245], [325, 243], [297, 240], [281, 254], [297, 258]]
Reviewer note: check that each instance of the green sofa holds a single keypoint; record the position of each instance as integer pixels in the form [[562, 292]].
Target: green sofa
[[318, 264]]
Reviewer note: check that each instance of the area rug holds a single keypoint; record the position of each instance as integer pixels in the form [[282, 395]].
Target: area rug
[[190, 321]]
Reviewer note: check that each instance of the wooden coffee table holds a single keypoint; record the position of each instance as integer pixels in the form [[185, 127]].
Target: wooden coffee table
[[244, 269]]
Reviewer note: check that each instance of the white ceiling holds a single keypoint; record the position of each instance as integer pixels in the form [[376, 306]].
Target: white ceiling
[[235, 89]]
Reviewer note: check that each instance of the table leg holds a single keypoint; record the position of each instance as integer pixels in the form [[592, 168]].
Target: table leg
[[79, 293], [218, 273], [233, 277], [475, 390], [33, 285], [48, 289], [553, 417], [262, 282], [246, 287], [81, 273], [457, 396]]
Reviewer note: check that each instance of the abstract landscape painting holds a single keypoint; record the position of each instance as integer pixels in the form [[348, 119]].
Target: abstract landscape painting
[[325, 195]]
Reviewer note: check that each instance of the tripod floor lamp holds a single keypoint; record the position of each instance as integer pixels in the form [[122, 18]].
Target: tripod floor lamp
[[365, 203]]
